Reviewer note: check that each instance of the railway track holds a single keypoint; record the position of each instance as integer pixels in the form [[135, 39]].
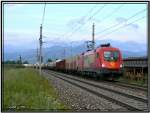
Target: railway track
[[131, 102], [140, 98], [123, 84], [132, 86], [118, 84]]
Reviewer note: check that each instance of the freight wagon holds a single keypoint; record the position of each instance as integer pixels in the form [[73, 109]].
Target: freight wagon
[[104, 61], [60, 65]]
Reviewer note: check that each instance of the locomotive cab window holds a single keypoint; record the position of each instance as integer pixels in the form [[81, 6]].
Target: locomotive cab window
[[111, 55]]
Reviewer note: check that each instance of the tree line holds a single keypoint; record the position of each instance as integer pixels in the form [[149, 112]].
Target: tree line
[[15, 62]]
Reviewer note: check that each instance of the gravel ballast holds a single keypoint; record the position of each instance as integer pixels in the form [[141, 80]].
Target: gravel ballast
[[79, 99]]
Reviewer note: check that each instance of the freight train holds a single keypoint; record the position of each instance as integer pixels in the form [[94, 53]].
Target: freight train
[[104, 61]]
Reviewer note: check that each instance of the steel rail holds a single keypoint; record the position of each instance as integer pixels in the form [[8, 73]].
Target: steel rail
[[108, 89], [116, 83], [143, 88], [129, 107]]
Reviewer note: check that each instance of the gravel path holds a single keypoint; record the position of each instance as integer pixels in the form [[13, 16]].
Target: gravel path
[[81, 100]]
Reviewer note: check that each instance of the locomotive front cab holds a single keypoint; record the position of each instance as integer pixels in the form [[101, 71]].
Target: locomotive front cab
[[111, 63], [112, 60]]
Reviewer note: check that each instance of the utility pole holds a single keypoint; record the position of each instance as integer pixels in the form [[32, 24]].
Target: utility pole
[[93, 34], [20, 59], [37, 59], [41, 42], [91, 44], [71, 52], [64, 53], [71, 49], [40, 52]]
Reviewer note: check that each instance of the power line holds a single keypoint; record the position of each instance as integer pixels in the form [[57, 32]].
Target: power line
[[108, 16], [98, 11], [89, 12], [43, 14], [84, 17], [123, 26], [119, 23], [112, 13], [40, 40]]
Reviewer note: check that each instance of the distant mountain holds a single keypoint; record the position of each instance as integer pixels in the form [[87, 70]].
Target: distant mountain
[[66, 49]]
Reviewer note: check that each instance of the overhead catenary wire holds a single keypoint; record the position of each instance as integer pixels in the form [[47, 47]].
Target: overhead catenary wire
[[123, 26], [110, 14], [115, 25], [91, 10], [47, 52], [139, 12], [134, 15], [40, 40], [107, 29], [113, 12], [98, 11], [43, 14], [83, 18]]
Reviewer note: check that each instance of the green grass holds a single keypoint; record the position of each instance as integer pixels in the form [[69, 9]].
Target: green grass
[[25, 90]]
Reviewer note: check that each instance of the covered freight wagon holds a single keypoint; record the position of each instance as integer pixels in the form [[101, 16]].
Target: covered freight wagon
[[71, 63], [61, 65], [51, 65], [89, 60]]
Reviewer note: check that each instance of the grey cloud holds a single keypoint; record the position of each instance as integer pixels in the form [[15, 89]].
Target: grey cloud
[[96, 20], [121, 20], [134, 26], [124, 20], [81, 21], [75, 22]]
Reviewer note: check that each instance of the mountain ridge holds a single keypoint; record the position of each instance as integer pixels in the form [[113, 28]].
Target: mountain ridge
[[63, 50]]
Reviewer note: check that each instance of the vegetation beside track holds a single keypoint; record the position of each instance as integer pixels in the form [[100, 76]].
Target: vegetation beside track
[[25, 90], [134, 82]]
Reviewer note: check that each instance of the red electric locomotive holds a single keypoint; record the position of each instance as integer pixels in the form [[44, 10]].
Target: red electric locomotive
[[105, 61]]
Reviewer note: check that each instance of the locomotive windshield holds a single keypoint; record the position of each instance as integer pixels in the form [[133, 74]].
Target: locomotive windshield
[[111, 55]]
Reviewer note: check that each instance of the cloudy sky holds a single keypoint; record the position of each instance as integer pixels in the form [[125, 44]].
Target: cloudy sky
[[73, 22]]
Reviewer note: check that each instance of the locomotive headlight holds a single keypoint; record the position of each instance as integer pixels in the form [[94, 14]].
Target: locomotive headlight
[[121, 66], [103, 65]]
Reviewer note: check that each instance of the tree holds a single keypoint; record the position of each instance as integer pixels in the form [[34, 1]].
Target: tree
[[18, 62], [10, 62], [25, 62], [49, 60]]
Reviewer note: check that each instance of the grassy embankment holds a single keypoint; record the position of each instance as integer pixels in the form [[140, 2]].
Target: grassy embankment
[[134, 82], [25, 90], [141, 82]]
